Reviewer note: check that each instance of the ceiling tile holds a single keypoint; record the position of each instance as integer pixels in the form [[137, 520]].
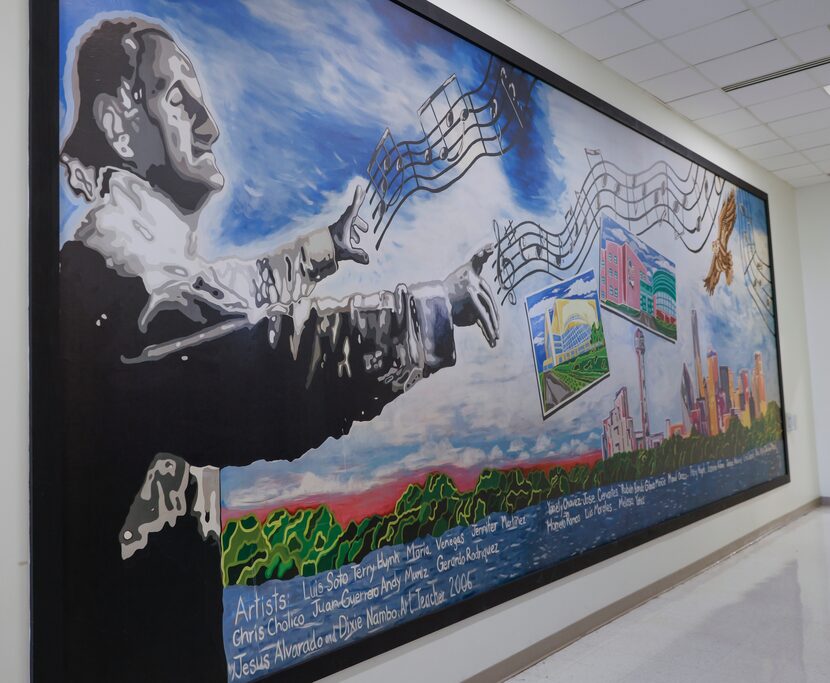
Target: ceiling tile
[[646, 62], [678, 84], [820, 74], [784, 161], [749, 63], [824, 166], [798, 172], [812, 44], [795, 125], [721, 38], [786, 17], [664, 18], [771, 90], [728, 121], [562, 15], [766, 149], [608, 36], [704, 104], [749, 136], [812, 180], [815, 138], [791, 105], [818, 153]]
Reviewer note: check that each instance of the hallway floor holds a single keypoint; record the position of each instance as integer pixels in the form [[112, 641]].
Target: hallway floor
[[760, 615]]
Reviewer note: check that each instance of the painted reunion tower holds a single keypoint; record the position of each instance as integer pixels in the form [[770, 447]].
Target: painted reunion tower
[[640, 347]]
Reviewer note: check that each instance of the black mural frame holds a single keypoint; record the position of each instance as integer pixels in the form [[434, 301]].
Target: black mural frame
[[47, 479]]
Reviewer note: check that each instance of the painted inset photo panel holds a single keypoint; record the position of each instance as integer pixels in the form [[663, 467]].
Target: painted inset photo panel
[[636, 281], [568, 341]]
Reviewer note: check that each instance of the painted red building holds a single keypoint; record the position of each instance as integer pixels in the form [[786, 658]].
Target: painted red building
[[610, 281], [621, 272]]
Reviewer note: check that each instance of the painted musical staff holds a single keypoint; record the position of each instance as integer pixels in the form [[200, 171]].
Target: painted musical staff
[[686, 203], [445, 132], [458, 129], [757, 272]]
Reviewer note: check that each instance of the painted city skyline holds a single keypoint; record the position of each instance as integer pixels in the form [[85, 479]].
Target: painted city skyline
[[709, 406], [717, 399]]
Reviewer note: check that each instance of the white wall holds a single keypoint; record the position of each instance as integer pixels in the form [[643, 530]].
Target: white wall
[[472, 645], [14, 438], [813, 209]]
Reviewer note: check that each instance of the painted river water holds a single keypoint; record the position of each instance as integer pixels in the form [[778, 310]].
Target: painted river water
[[282, 623]]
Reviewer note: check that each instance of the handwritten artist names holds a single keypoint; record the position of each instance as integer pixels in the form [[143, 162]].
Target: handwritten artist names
[[273, 626]]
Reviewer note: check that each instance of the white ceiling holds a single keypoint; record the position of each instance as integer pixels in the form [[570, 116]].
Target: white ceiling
[[684, 51]]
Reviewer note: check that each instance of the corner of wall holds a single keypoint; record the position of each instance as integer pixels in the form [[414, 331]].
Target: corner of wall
[[813, 222]]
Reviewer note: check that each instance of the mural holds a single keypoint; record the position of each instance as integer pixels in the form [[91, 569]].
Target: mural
[[361, 324]]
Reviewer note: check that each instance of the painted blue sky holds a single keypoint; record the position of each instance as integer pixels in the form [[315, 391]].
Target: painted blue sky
[[721, 333], [302, 91], [611, 230], [756, 210], [583, 286]]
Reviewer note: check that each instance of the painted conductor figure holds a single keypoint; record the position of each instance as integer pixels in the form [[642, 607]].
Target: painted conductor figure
[[218, 362]]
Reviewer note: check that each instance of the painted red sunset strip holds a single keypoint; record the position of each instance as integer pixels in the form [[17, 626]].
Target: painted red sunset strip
[[381, 500]]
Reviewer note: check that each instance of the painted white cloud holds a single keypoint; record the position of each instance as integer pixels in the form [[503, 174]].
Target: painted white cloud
[[271, 491], [449, 403], [442, 453], [581, 287], [543, 444], [350, 65], [516, 445]]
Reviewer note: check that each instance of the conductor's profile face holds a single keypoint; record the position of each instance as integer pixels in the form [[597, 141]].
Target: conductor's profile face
[[175, 104]]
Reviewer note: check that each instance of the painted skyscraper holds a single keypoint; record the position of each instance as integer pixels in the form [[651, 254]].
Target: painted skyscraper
[[640, 348], [618, 427], [733, 390], [687, 398], [698, 364], [726, 386], [747, 410], [759, 387], [712, 392]]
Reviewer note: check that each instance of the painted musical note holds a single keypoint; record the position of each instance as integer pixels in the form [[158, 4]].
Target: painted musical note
[[509, 88], [458, 127], [443, 118], [536, 249], [387, 173]]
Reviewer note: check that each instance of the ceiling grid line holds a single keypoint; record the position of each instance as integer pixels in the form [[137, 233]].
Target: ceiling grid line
[[680, 53]]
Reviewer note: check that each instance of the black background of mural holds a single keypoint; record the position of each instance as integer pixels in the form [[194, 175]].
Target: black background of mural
[[158, 616]]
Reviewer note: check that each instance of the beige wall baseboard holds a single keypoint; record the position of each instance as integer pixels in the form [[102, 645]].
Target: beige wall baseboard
[[547, 646]]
